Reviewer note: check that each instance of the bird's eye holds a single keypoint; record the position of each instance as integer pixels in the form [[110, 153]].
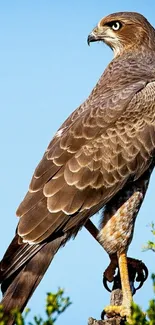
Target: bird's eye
[[116, 25]]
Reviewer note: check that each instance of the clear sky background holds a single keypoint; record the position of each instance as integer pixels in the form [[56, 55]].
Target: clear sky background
[[46, 71]]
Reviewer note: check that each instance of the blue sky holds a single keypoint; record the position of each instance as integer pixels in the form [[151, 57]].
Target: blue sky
[[46, 71]]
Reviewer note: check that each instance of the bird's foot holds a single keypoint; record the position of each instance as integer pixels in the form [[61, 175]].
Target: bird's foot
[[137, 272], [122, 311], [109, 273]]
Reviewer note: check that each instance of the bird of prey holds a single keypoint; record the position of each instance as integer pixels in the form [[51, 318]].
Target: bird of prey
[[101, 157]]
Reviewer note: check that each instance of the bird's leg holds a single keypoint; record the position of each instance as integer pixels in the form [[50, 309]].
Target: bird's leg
[[116, 235], [137, 269], [92, 230], [124, 309], [126, 290], [117, 230]]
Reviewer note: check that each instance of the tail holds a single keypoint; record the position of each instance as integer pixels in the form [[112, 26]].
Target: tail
[[20, 286]]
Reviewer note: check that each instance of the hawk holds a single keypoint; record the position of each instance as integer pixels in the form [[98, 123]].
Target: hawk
[[101, 157]]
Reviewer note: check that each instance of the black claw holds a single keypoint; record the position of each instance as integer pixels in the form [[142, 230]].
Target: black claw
[[133, 290], [142, 275], [140, 285], [103, 314], [105, 284]]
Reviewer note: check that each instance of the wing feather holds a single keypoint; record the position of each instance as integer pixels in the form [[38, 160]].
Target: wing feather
[[101, 147]]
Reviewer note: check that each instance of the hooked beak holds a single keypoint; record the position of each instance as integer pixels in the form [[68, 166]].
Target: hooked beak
[[91, 38], [94, 36]]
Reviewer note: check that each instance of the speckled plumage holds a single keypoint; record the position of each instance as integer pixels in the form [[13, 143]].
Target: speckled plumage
[[104, 147], [119, 215]]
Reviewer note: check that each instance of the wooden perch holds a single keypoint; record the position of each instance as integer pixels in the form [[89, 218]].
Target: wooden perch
[[116, 299]]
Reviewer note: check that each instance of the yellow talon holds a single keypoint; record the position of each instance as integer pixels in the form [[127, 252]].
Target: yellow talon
[[123, 311]]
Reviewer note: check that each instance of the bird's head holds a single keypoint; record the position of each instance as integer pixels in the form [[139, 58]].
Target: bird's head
[[123, 31]]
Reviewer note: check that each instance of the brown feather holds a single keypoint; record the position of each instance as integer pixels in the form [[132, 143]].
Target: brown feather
[[24, 284]]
